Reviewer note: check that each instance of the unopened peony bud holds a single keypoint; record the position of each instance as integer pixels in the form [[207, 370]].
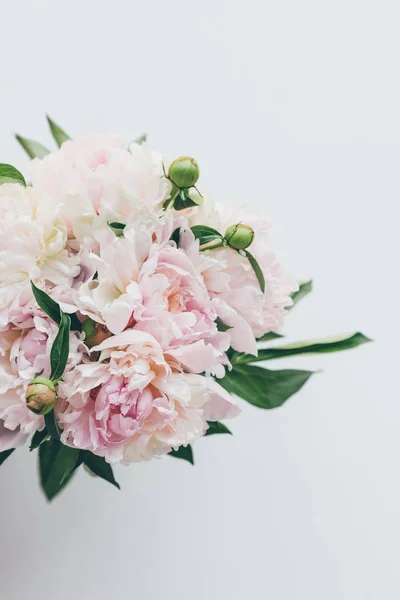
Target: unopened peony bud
[[184, 172], [239, 236], [95, 333], [41, 395]]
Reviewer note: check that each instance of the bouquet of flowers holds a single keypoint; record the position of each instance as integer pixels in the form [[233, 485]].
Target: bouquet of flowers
[[132, 309]]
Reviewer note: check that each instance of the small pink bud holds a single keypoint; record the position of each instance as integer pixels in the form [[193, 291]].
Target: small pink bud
[[41, 395]]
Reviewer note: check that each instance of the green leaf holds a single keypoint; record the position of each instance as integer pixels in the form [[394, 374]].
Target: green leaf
[[51, 425], [9, 174], [52, 308], [141, 139], [56, 466], [333, 344], [199, 231], [304, 288], [32, 148], [38, 438], [183, 452], [58, 134], [117, 228], [46, 303], [183, 200], [60, 348], [269, 336], [176, 235], [257, 270], [5, 454], [205, 234], [216, 427], [98, 466], [221, 326], [262, 387]]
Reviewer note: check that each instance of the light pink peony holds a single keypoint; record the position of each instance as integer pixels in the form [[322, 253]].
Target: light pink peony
[[33, 246], [94, 179], [232, 283], [129, 406], [24, 354]]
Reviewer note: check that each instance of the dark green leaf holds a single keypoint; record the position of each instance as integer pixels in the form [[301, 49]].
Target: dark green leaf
[[46, 303], [176, 235], [38, 438], [58, 134], [9, 174], [98, 466], [117, 228], [5, 454], [216, 427], [52, 426], [56, 466], [304, 289], [52, 308], [199, 231], [257, 270], [60, 349], [269, 336], [262, 387], [183, 200], [32, 148], [183, 452], [335, 344], [221, 326]]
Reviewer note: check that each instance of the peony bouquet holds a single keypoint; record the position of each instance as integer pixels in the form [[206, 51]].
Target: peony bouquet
[[132, 309]]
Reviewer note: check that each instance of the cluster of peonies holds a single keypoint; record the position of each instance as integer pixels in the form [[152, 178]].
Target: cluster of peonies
[[99, 231]]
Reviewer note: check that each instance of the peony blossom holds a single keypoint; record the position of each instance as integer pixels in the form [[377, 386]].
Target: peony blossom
[[130, 406]]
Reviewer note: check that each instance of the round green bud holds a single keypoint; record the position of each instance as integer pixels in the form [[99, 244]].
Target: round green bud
[[41, 395], [95, 333], [184, 172], [239, 236]]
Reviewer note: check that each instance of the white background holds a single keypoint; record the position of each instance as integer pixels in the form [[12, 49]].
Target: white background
[[295, 107]]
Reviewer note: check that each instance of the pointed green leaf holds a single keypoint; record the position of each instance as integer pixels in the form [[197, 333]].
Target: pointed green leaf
[[117, 228], [52, 427], [199, 231], [46, 303], [333, 344], [269, 336], [32, 148], [60, 348], [183, 452], [98, 466], [262, 387], [304, 289], [58, 134], [52, 308], [5, 454], [38, 438], [257, 270], [56, 466], [216, 427], [9, 174], [183, 200], [221, 326]]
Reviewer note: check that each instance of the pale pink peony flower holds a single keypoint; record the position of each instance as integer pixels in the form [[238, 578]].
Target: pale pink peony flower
[[232, 283], [129, 406], [33, 246], [24, 354], [143, 280], [94, 179]]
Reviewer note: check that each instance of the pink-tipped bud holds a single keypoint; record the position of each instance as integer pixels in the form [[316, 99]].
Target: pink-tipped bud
[[41, 395]]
